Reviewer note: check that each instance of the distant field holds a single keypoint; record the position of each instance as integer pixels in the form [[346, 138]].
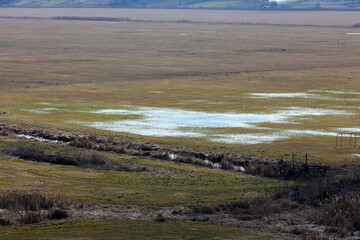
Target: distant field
[[78, 67], [331, 18]]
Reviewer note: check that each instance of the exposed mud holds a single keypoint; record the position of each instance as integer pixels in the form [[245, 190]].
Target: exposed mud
[[250, 164]]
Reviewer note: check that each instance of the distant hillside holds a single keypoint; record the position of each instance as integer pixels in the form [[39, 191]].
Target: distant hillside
[[135, 3], [192, 4]]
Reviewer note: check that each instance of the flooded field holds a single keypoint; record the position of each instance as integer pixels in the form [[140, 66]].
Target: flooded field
[[172, 122], [189, 103], [249, 86], [311, 94]]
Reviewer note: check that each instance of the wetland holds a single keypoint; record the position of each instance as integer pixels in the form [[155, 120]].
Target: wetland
[[202, 126]]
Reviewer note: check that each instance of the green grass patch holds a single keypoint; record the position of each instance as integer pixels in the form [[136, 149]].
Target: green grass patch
[[125, 229], [166, 183]]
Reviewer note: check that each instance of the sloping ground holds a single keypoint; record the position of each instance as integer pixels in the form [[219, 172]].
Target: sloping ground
[[135, 3]]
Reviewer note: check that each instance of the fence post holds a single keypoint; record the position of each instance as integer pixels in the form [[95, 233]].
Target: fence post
[[355, 141], [341, 137]]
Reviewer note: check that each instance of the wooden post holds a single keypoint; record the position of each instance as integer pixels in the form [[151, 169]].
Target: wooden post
[[355, 141], [341, 135], [306, 159], [336, 144], [350, 139]]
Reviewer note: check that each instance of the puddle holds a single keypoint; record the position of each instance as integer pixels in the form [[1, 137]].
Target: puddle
[[258, 138], [247, 138], [239, 168], [208, 102], [155, 92], [310, 95], [42, 110], [51, 106], [352, 33], [198, 101], [357, 155], [170, 122], [173, 156], [281, 95], [295, 132], [334, 92], [349, 130], [214, 165], [46, 103], [38, 138], [220, 103]]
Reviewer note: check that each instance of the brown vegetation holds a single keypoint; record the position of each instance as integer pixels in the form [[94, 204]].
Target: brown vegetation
[[341, 213], [335, 204], [30, 206]]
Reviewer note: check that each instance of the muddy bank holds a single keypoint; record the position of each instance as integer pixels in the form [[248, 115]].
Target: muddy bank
[[249, 164]]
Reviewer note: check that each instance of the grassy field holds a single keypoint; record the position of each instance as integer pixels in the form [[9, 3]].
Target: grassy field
[[208, 68], [62, 74], [98, 229], [165, 184]]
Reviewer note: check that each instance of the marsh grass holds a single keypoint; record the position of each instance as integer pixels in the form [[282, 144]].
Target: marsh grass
[[341, 213], [31, 206], [28, 200]]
